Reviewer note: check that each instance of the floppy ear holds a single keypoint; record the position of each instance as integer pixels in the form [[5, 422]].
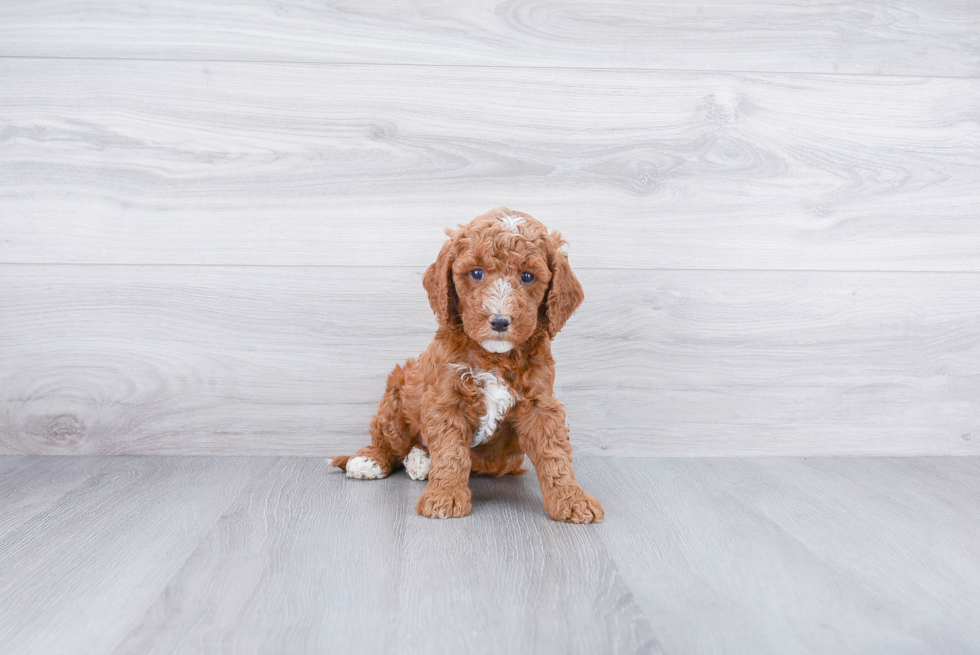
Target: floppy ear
[[564, 293], [438, 283]]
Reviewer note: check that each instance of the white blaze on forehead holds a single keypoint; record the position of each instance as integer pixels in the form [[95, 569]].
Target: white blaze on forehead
[[497, 399], [512, 222], [498, 295]]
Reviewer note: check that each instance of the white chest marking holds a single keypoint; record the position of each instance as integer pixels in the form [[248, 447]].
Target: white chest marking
[[497, 399]]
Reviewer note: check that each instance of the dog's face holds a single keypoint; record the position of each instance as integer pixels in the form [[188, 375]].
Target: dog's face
[[500, 278]]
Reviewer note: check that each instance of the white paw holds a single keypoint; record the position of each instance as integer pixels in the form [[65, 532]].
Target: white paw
[[417, 464], [363, 468]]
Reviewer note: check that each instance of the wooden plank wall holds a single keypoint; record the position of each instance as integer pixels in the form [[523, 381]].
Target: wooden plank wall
[[214, 217]]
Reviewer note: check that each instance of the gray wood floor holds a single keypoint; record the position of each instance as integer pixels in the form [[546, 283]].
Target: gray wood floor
[[273, 555]]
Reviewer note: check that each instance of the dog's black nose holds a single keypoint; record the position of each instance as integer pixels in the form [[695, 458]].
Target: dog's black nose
[[499, 323]]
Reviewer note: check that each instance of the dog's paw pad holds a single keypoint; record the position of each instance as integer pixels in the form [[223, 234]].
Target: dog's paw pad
[[417, 464], [364, 468]]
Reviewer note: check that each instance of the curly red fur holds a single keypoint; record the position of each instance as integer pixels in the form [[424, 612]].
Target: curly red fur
[[437, 401]]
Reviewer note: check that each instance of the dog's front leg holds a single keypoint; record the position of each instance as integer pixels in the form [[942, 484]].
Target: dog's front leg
[[543, 436], [448, 434]]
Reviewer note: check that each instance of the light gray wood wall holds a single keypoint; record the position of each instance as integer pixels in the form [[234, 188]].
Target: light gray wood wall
[[213, 218], [244, 163], [929, 37]]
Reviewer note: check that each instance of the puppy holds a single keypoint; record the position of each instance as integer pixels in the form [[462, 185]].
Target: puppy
[[481, 396]]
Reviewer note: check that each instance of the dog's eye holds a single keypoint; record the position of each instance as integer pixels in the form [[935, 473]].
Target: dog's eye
[[477, 274], [527, 277]]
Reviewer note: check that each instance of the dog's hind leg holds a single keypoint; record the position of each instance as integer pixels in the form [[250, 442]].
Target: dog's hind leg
[[390, 438]]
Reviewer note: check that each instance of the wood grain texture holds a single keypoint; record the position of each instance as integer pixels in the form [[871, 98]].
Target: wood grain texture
[[246, 163], [93, 561], [695, 555], [778, 555], [921, 530], [292, 360], [921, 38], [311, 562], [30, 486]]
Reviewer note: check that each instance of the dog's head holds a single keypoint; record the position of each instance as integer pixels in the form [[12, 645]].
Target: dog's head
[[500, 278]]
